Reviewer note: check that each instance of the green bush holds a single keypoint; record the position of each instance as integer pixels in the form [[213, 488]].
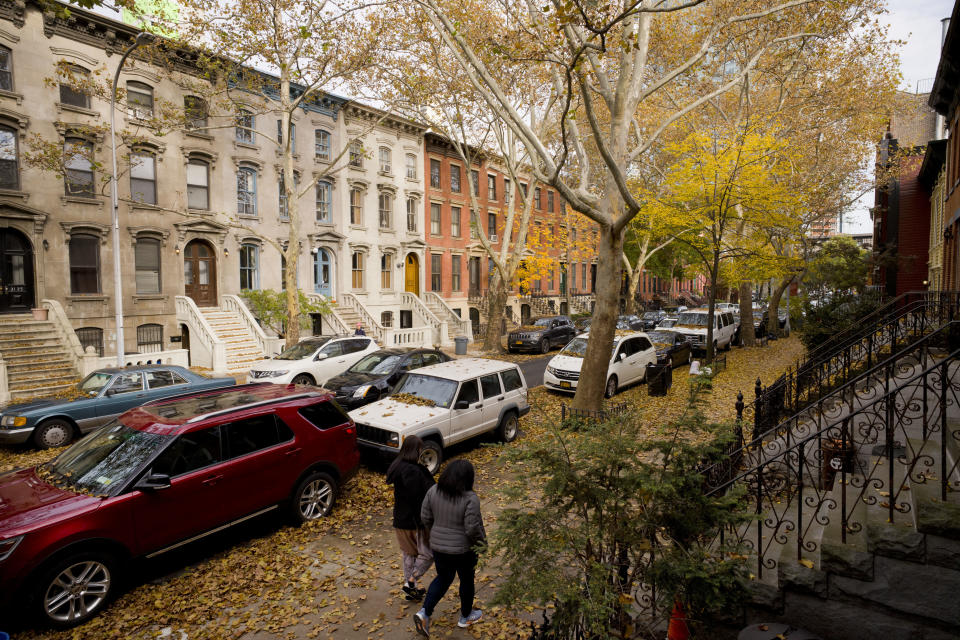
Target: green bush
[[840, 313], [270, 308]]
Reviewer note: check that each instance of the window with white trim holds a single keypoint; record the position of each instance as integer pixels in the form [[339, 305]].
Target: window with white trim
[[245, 127], [247, 191], [324, 193], [386, 210], [411, 166], [249, 266], [147, 265], [198, 184], [321, 144], [143, 177], [356, 206], [386, 160], [411, 214]]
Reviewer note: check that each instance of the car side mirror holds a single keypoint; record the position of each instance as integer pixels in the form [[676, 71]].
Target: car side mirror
[[321, 356], [110, 392], [621, 355], [462, 404], [153, 482]]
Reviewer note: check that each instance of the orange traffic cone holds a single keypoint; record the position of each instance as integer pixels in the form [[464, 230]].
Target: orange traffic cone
[[678, 630]]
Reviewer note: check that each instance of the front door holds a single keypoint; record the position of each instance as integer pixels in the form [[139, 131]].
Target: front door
[[322, 271], [16, 272], [475, 276], [200, 273], [412, 274]]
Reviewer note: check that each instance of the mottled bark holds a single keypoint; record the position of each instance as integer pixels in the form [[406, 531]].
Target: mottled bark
[[747, 336], [496, 303]]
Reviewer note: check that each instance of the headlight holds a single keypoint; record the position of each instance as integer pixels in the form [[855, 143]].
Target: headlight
[[13, 421], [275, 374], [551, 370], [362, 391], [393, 440], [7, 546]]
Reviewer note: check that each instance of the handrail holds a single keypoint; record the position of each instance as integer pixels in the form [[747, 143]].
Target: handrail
[[379, 331], [233, 303], [439, 327], [188, 311], [65, 329], [463, 325], [340, 325]]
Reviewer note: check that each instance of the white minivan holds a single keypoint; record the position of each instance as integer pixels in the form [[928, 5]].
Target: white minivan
[[632, 352], [313, 360], [693, 324]]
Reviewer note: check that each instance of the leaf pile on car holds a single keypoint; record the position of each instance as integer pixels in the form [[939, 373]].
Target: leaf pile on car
[[409, 398]]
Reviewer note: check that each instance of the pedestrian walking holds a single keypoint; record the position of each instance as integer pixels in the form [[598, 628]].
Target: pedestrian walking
[[451, 511], [359, 331], [410, 481]]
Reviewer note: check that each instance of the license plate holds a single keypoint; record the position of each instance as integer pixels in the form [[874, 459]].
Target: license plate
[[519, 342], [564, 384]]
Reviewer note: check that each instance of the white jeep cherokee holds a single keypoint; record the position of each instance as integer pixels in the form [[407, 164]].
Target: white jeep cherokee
[[445, 404]]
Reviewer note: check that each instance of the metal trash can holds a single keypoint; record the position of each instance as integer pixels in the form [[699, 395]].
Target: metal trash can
[[460, 345], [659, 378]]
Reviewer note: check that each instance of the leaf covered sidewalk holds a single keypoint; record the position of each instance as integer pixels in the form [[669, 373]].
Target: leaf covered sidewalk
[[340, 577]]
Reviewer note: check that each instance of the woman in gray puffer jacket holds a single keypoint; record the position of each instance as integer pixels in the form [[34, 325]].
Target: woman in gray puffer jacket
[[451, 511]]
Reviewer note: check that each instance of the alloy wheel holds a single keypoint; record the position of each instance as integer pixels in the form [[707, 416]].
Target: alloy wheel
[[316, 498], [77, 591]]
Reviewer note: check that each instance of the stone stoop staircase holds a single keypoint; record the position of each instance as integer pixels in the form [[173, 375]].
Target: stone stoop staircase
[[351, 318], [243, 351], [38, 363]]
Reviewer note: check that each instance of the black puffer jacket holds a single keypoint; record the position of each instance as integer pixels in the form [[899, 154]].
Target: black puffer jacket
[[410, 484]]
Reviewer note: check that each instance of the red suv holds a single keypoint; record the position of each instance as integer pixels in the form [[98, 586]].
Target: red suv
[[159, 477]]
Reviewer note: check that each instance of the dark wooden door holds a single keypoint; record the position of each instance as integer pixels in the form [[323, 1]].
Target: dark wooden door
[[200, 273], [16, 272]]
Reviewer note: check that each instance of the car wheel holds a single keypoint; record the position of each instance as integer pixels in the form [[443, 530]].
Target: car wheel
[[314, 497], [53, 433], [511, 350], [544, 346], [509, 427], [76, 588], [611, 389], [431, 456], [304, 378]]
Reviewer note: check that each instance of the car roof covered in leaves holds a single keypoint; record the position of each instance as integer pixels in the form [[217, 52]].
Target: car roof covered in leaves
[[462, 368]]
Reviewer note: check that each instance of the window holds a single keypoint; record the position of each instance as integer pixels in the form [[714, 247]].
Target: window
[[573, 278], [475, 182], [198, 184], [386, 160], [356, 206], [455, 273], [162, 377], [455, 178], [355, 345], [324, 202], [6, 69], [434, 173], [506, 191], [247, 191], [386, 318], [140, 99], [490, 385], [147, 265], [356, 154], [536, 197], [324, 415], [9, 158], [71, 94], [550, 201], [150, 340], [282, 190], [78, 165], [431, 357], [143, 178], [434, 219], [321, 144], [411, 214], [130, 382], [491, 187], [91, 337], [386, 210], [332, 349], [469, 392], [84, 264], [455, 222], [190, 452], [583, 275], [195, 110], [411, 166], [491, 224], [436, 271], [511, 379], [249, 266], [293, 135], [254, 434], [523, 187], [244, 127], [386, 269], [356, 266]]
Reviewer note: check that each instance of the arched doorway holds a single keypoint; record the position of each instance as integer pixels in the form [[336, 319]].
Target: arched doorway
[[323, 273], [411, 272], [475, 318], [200, 273], [563, 309], [16, 272]]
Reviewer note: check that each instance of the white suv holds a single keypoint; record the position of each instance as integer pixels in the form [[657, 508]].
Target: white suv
[[632, 352], [444, 404], [693, 324], [313, 360]]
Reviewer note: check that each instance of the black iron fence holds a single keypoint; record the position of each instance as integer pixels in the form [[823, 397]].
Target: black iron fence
[[573, 413]]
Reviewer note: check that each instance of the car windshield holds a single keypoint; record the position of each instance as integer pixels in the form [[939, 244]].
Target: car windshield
[[301, 350], [650, 315], [103, 461], [438, 390], [693, 319], [576, 348], [93, 383], [543, 322], [376, 363], [660, 338]]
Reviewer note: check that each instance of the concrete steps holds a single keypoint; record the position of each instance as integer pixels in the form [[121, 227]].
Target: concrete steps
[[242, 349], [38, 363]]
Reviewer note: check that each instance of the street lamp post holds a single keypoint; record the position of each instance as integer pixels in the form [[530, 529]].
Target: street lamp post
[[142, 38]]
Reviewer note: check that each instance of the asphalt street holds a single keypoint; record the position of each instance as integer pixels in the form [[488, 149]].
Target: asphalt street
[[533, 370]]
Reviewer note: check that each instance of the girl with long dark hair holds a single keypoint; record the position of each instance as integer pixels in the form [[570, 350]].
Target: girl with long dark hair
[[410, 481], [451, 510]]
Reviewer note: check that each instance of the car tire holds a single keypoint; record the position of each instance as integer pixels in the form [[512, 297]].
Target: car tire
[[509, 427], [431, 456], [611, 389], [53, 433], [303, 378], [313, 498], [511, 350], [544, 346], [92, 576]]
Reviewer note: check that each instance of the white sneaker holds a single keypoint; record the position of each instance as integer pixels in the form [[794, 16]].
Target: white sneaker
[[421, 621], [474, 616]]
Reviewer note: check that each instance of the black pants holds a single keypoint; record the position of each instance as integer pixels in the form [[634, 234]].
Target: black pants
[[448, 565]]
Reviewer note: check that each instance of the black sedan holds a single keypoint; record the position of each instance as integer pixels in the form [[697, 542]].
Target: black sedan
[[652, 318], [374, 376], [671, 346]]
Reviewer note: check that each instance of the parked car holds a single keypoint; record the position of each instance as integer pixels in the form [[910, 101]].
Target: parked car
[[375, 375], [632, 352], [668, 322], [101, 396], [652, 318], [630, 323], [583, 324], [693, 324], [158, 477], [759, 322], [444, 404], [671, 347], [544, 334], [313, 360]]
